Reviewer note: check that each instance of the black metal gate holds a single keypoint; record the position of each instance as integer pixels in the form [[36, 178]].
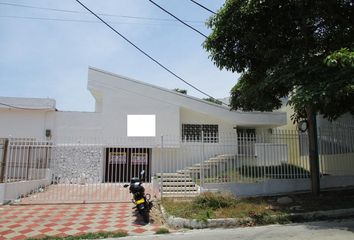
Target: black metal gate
[[124, 163]]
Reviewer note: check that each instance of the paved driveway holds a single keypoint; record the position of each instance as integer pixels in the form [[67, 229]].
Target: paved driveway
[[24, 221]]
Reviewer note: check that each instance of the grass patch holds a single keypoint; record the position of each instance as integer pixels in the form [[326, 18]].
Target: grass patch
[[202, 207], [255, 173], [259, 209], [97, 235], [162, 231], [249, 173]]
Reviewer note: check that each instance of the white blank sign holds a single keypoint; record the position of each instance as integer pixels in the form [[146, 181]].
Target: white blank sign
[[141, 125]]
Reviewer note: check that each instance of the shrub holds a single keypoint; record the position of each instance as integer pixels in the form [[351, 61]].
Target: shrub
[[162, 231], [214, 200]]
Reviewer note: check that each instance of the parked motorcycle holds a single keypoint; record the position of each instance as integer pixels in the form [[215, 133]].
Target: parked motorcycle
[[140, 199]]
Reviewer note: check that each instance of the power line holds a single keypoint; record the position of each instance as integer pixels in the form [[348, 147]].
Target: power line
[[102, 14], [178, 19], [78, 20], [50, 19], [22, 108], [200, 5], [142, 51]]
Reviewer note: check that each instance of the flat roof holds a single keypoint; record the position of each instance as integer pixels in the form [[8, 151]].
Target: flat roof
[[27, 103]]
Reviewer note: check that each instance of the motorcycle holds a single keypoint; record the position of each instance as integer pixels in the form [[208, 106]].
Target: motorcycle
[[140, 199]]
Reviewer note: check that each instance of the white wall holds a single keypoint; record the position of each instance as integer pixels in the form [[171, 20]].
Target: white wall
[[12, 191], [77, 124], [271, 154], [278, 186], [33, 124], [116, 97], [100, 82], [117, 105], [25, 123]]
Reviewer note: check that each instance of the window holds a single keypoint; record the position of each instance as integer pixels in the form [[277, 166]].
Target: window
[[194, 133]]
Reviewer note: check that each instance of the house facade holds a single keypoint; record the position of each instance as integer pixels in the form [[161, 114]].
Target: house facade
[[184, 144], [88, 142]]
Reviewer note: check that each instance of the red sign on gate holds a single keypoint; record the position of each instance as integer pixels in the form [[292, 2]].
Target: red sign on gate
[[118, 158], [139, 158]]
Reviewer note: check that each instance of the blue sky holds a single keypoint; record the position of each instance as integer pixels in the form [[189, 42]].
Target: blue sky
[[45, 58]]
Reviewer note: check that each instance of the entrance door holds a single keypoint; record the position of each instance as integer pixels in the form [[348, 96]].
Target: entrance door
[[124, 163]]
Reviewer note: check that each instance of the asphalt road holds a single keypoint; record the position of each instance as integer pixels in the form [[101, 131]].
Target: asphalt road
[[325, 230]]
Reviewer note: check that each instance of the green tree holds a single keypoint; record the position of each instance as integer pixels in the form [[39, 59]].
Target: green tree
[[286, 48], [213, 100], [183, 91]]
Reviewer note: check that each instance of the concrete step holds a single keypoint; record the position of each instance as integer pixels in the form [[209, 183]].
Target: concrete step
[[176, 180], [180, 194], [227, 156], [179, 189], [214, 161], [172, 175], [184, 171], [204, 165], [167, 184], [194, 168]]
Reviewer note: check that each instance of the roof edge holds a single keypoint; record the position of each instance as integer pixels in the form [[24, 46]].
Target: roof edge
[[177, 93], [23, 103]]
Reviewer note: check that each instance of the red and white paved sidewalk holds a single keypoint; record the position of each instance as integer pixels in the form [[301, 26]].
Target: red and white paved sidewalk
[[25, 221]]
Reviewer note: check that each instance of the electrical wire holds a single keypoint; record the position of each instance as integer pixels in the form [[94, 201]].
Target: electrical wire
[[200, 5], [181, 21], [84, 21], [143, 52], [22, 108], [102, 14], [50, 19]]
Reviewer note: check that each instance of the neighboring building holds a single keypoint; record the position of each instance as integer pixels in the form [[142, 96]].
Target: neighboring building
[[335, 142], [344, 120]]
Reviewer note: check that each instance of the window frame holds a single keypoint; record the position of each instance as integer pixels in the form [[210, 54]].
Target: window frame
[[210, 133]]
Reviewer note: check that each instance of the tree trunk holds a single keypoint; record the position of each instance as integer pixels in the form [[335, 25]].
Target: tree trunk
[[313, 152]]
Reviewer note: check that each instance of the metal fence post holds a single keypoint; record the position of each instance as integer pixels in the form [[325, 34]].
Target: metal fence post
[[161, 170], [202, 162], [3, 161], [5, 168]]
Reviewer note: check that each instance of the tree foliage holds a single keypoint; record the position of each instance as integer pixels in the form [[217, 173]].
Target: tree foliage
[[287, 48], [183, 91], [213, 100]]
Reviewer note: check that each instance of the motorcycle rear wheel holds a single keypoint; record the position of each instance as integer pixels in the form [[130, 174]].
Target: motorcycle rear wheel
[[146, 216]]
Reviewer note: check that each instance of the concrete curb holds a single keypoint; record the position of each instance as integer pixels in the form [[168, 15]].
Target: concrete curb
[[176, 222]]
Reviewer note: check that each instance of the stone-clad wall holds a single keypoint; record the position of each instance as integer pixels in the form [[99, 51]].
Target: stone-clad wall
[[77, 164]]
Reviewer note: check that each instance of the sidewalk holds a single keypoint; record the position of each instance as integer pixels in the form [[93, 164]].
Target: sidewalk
[[24, 221], [323, 230]]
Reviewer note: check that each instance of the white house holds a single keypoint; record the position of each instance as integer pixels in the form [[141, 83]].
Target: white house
[[129, 114], [116, 98], [186, 145]]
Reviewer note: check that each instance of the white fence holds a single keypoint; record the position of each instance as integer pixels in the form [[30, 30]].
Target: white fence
[[94, 170]]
